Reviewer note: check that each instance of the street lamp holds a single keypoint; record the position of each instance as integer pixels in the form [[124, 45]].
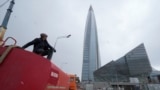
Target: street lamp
[[60, 38]]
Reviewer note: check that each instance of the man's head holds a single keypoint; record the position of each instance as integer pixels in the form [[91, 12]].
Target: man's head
[[43, 36]]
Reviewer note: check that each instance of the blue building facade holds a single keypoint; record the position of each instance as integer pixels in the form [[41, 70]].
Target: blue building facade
[[91, 57]]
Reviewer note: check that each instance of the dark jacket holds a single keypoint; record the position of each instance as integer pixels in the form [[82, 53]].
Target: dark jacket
[[39, 44]]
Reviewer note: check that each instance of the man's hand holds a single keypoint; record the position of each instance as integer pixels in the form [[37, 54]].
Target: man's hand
[[54, 50]]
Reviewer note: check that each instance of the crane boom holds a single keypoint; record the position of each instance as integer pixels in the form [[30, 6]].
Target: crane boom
[[3, 27]]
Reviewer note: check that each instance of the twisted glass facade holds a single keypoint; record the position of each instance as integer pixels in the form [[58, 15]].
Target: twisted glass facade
[[134, 64], [91, 58]]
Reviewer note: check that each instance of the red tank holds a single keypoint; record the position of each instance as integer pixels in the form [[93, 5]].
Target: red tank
[[24, 70]]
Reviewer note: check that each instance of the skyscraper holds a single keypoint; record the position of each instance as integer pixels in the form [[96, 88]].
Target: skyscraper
[[91, 58]]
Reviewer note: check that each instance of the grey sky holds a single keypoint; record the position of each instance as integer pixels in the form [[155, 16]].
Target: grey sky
[[121, 26]]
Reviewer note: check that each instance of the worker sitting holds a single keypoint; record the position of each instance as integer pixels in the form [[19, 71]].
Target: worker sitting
[[41, 46]]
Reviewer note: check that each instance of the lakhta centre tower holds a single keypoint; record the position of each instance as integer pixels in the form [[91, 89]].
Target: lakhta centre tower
[[91, 57]]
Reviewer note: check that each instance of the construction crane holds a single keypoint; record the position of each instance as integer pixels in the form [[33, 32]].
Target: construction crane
[[3, 27]]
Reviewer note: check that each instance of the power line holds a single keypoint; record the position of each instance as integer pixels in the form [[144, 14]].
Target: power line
[[3, 3]]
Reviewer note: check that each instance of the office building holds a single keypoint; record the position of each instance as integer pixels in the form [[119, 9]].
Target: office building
[[132, 67], [91, 58]]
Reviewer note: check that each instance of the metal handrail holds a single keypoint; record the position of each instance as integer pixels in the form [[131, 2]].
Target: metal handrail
[[7, 39]]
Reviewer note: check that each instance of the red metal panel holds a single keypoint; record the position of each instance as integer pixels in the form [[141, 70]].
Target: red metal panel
[[23, 70]]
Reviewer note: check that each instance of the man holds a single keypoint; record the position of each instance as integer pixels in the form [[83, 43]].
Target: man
[[41, 46]]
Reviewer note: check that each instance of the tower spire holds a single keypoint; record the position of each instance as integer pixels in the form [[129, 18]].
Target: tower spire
[[90, 8]]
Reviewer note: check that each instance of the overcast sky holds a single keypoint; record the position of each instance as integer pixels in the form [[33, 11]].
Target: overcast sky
[[121, 25]]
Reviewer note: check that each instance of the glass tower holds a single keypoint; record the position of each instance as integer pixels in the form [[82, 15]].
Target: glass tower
[[91, 58], [133, 64]]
